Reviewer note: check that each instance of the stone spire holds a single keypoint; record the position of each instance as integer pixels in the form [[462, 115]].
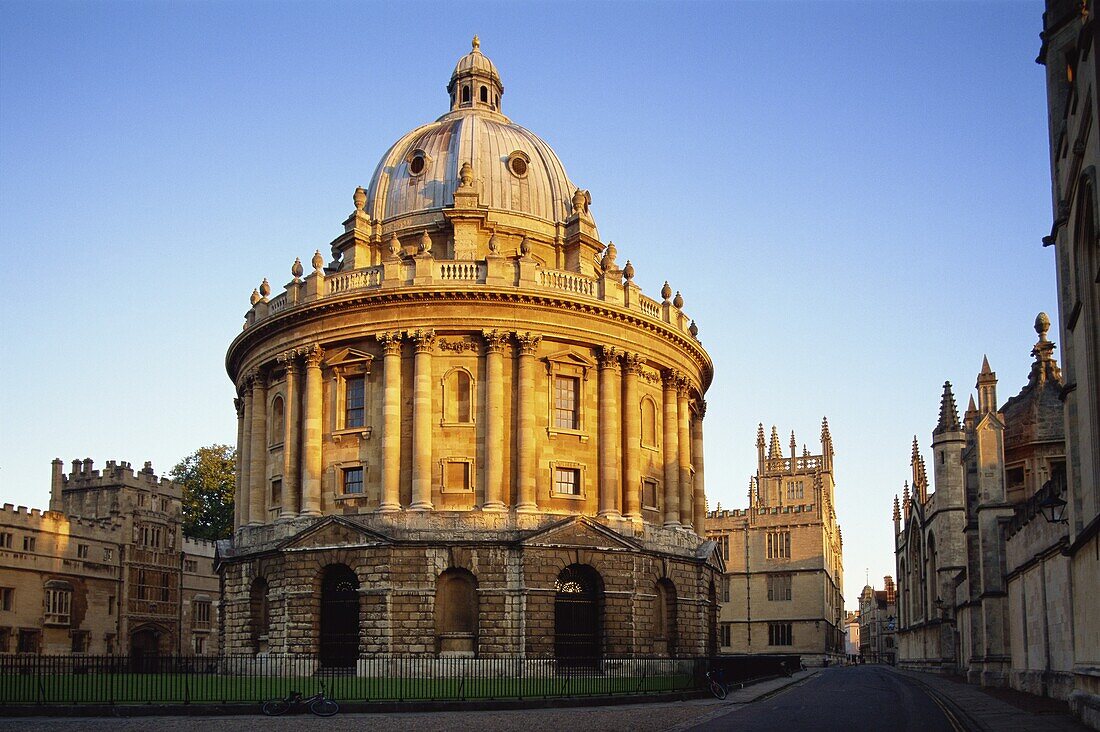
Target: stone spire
[[794, 448], [971, 417], [987, 388], [760, 444], [897, 509], [905, 498], [774, 448], [949, 413]]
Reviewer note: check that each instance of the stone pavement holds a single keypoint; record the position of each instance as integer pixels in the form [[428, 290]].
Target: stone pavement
[[996, 709]]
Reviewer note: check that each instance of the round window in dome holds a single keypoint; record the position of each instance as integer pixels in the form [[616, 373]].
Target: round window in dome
[[518, 163], [417, 160]]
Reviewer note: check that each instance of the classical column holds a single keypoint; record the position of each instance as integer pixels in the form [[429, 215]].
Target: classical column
[[670, 451], [391, 421], [257, 458], [424, 342], [292, 502], [493, 453], [244, 417], [683, 442], [311, 429], [525, 419], [610, 439], [632, 437], [697, 462]]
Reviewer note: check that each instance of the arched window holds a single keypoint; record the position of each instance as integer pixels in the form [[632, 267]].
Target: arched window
[[665, 618], [278, 421], [578, 609], [456, 613], [932, 580], [649, 422], [465, 95], [339, 626], [259, 614], [484, 95], [457, 397]]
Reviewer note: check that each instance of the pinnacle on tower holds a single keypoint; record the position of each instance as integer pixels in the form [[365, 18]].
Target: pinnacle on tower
[[825, 436], [905, 497], [915, 457], [897, 508], [794, 445], [760, 435], [774, 449], [986, 371], [949, 413]]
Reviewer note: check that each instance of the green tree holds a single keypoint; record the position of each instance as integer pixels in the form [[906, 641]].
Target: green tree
[[207, 477]]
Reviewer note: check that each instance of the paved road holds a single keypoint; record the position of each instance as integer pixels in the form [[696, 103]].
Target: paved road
[[840, 699]]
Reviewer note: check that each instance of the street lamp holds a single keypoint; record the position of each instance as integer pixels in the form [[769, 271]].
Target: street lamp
[[1052, 506]]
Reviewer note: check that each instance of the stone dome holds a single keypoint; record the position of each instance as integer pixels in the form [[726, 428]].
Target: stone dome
[[513, 169]]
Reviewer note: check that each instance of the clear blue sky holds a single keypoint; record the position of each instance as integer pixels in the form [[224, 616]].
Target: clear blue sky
[[850, 196]]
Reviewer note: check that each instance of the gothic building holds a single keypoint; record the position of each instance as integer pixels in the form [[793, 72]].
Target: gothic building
[[106, 570], [1069, 55], [469, 432], [967, 595], [783, 587]]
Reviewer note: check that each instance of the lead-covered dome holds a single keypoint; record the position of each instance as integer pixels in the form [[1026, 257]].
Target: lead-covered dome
[[513, 169]]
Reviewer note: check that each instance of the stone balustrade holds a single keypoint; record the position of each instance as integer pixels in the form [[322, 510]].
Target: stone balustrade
[[495, 273]]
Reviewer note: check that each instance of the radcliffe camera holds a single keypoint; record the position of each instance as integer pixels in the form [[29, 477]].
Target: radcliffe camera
[[619, 396]]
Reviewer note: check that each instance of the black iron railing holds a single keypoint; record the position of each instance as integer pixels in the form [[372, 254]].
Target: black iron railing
[[87, 679]]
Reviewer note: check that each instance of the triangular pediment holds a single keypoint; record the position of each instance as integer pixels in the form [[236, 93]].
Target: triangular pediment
[[347, 356], [708, 550], [334, 531], [580, 531], [990, 421], [570, 357]]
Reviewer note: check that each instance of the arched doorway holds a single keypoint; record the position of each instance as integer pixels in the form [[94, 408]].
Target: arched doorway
[[577, 611], [665, 618], [145, 650], [339, 643]]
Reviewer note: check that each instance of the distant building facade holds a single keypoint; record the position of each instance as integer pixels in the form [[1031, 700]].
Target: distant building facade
[[851, 635], [982, 580], [782, 591], [1069, 54], [106, 570], [877, 619]]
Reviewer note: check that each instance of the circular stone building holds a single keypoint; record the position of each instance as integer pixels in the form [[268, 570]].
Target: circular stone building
[[470, 433]]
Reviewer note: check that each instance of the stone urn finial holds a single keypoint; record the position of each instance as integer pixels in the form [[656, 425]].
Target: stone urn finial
[[666, 292], [360, 199], [678, 301], [265, 288], [609, 255], [255, 297], [318, 261], [395, 245], [524, 246], [296, 269], [425, 243], [466, 175], [694, 330], [494, 246], [628, 271], [1042, 325]]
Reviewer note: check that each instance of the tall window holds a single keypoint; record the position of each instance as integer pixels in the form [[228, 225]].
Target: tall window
[[353, 480], [82, 551], [28, 543], [566, 402], [259, 612], [28, 641], [779, 587], [724, 633], [7, 598], [649, 493], [5, 539], [795, 489], [567, 481], [278, 421], [276, 492], [58, 601], [723, 542], [200, 614], [779, 634], [725, 589], [354, 401], [779, 545], [457, 393], [649, 422]]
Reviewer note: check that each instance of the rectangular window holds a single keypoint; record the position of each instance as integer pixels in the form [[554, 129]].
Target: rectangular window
[[108, 555], [58, 606], [5, 539], [567, 481], [649, 493], [779, 634], [276, 491], [82, 551], [779, 544], [456, 475], [28, 543], [150, 536], [79, 641], [165, 585], [725, 589], [109, 643], [28, 641], [724, 632], [7, 598], [200, 645], [354, 400], [201, 613], [5, 634], [190, 565], [566, 402], [353, 480], [779, 587], [110, 604]]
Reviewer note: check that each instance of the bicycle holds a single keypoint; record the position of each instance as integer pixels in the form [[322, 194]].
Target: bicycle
[[319, 704], [717, 684]]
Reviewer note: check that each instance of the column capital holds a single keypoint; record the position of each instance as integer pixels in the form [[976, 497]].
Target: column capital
[[288, 360], [390, 342], [312, 355], [527, 342], [683, 386], [495, 340], [701, 407], [608, 356], [632, 363], [257, 378], [670, 378], [238, 405], [423, 340]]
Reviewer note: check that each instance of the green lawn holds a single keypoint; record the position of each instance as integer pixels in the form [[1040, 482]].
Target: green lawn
[[128, 688]]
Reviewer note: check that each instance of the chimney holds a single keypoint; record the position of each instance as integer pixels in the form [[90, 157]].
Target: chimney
[[56, 481], [891, 591]]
